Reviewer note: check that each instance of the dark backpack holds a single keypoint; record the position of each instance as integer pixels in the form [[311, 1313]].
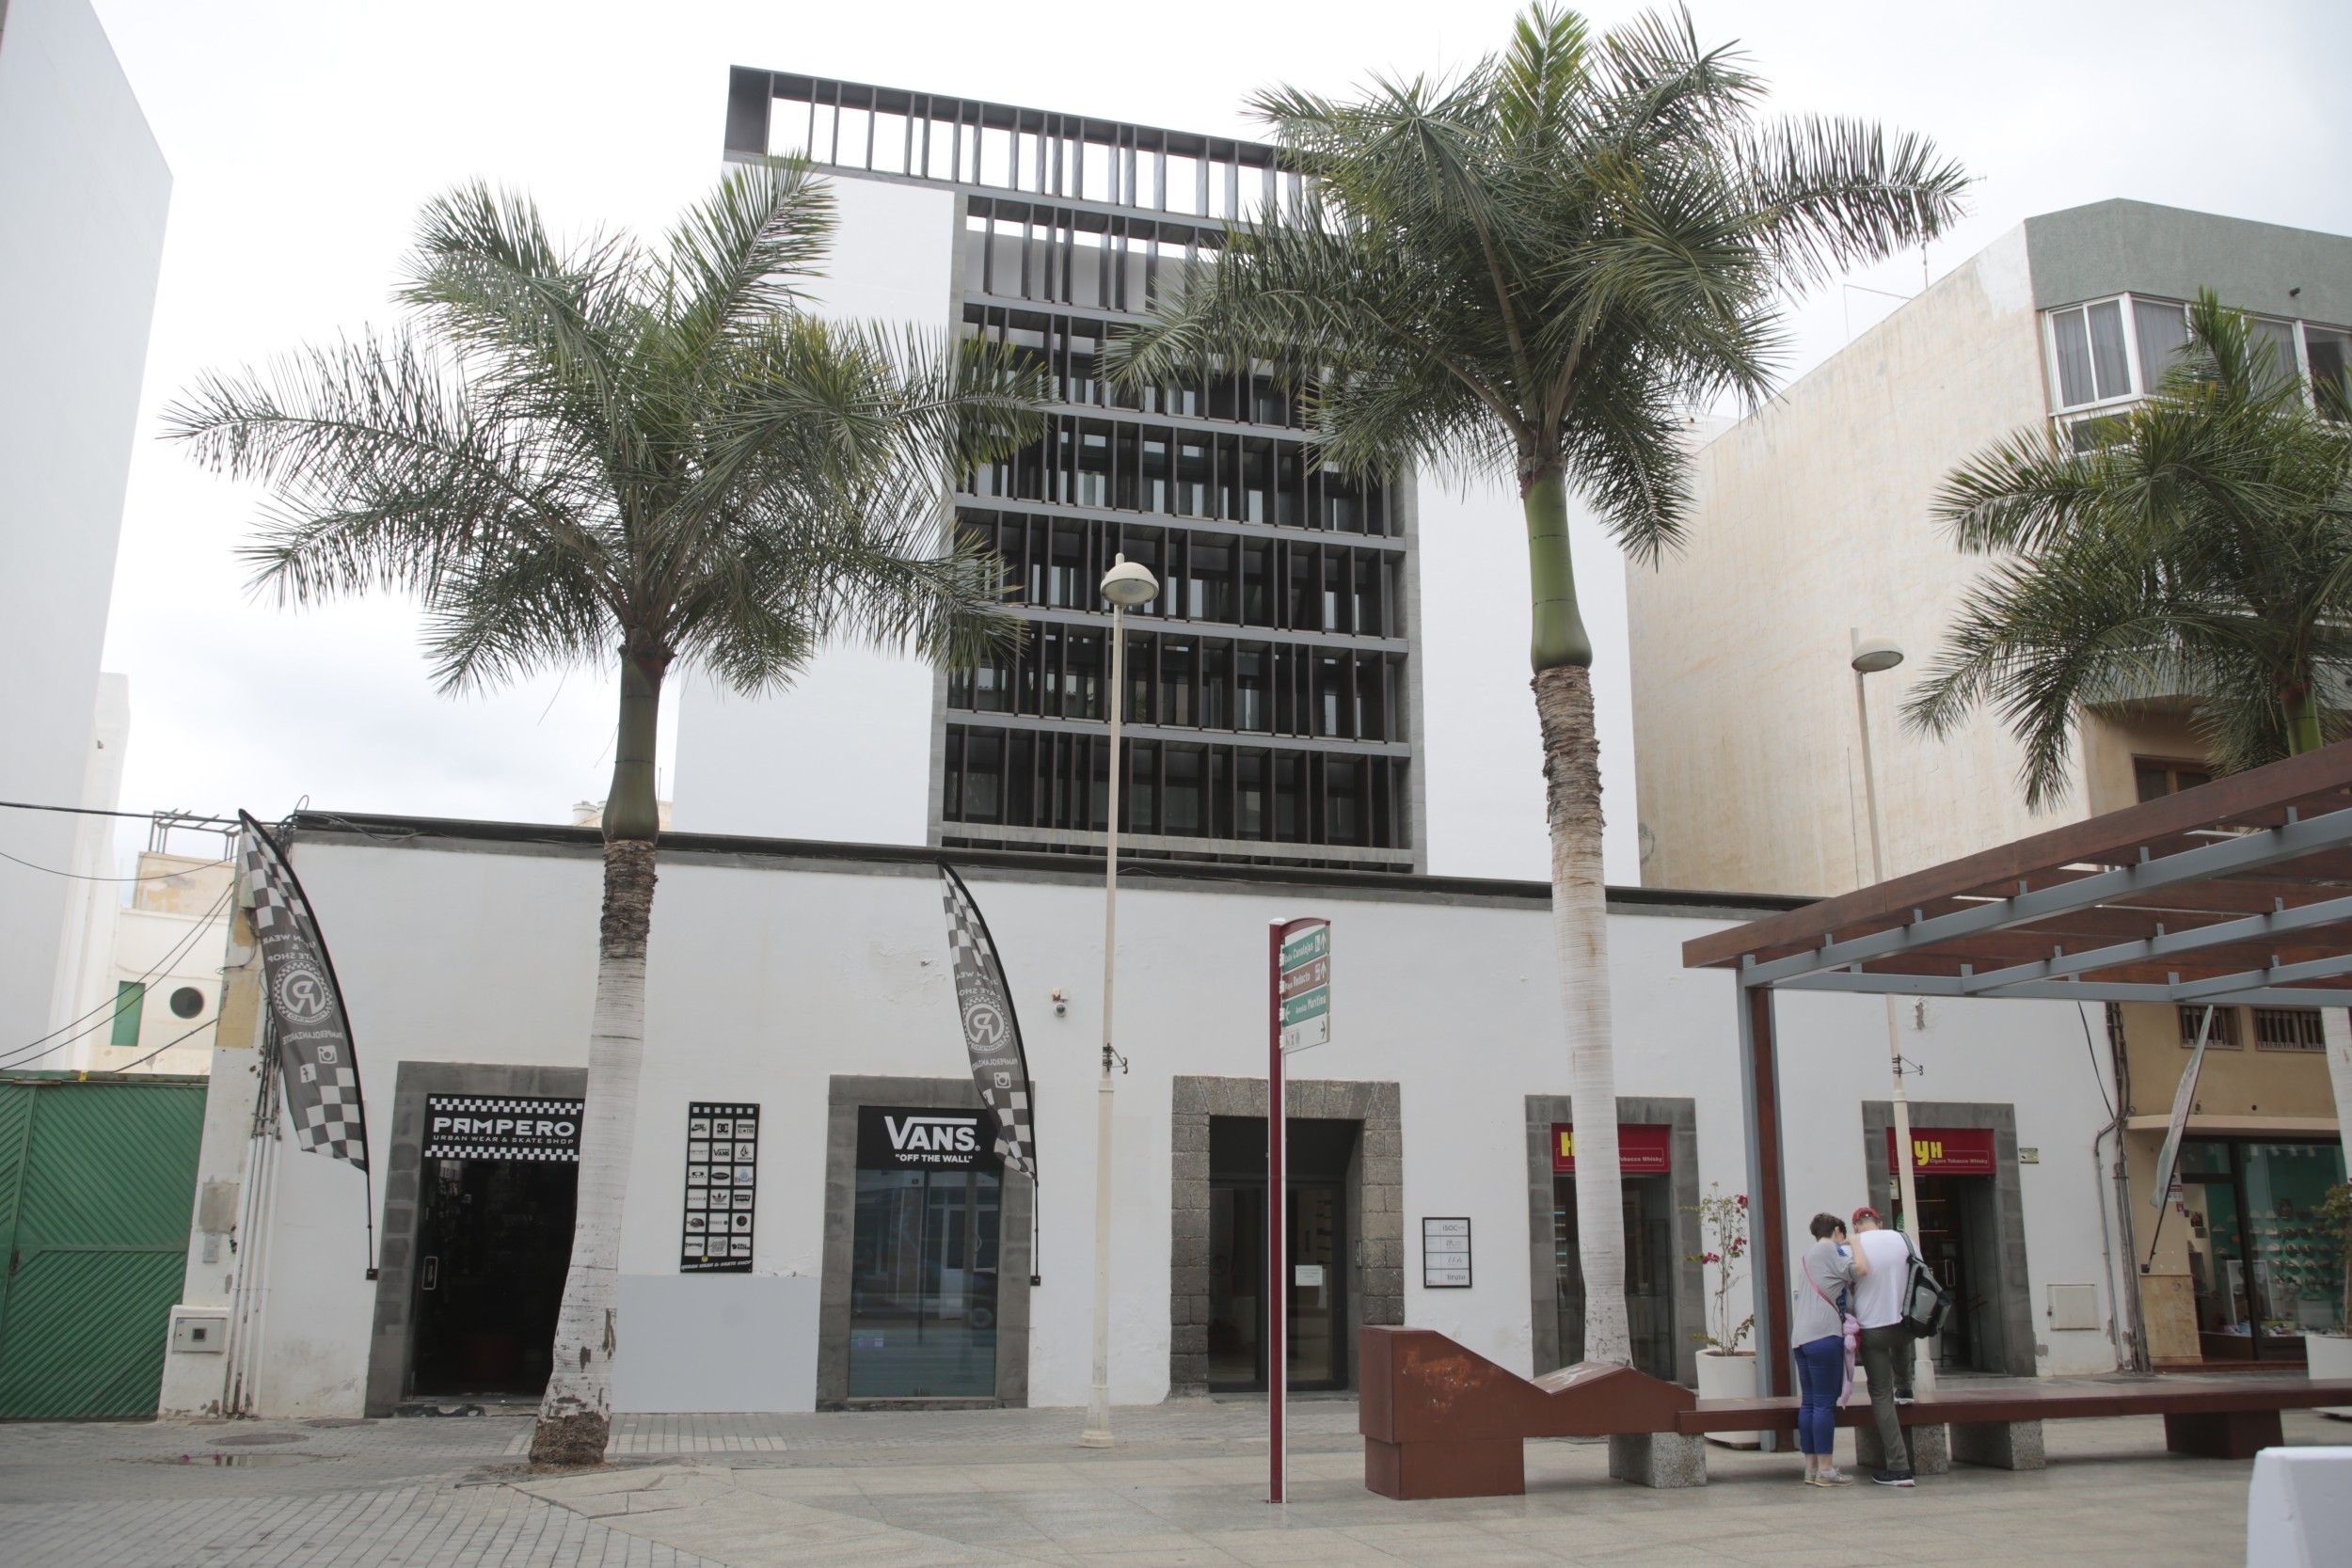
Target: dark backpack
[[1926, 1302]]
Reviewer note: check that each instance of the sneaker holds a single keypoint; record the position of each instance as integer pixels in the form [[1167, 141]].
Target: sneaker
[[1833, 1478], [1893, 1478], [1903, 1399]]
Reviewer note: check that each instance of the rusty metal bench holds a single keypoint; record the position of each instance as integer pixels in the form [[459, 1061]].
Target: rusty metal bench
[[1439, 1420]]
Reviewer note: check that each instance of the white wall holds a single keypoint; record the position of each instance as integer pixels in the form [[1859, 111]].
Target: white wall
[[85, 981], [1813, 519], [764, 981], [83, 191], [845, 753]]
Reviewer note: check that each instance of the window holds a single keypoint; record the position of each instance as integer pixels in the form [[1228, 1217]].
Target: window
[[2163, 331], [2224, 1035], [2330, 357], [2157, 778], [187, 1002], [2288, 1029], [130, 1000], [2092, 365]]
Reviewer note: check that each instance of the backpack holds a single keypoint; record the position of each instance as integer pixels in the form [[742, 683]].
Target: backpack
[[1925, 1301]]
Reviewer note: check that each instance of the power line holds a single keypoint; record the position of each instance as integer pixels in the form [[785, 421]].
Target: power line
[[187, 818], [113, 1005], [84, 876]]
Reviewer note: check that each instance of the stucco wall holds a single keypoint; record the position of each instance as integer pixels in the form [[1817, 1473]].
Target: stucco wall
[[1812, 519], [775, 764], [83, 191], [768, 978]]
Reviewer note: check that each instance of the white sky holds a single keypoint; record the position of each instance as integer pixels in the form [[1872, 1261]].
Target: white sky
[[302, 138]]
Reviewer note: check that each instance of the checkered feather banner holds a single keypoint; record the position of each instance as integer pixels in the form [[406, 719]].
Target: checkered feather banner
[[306, 1007], [991, 1032]]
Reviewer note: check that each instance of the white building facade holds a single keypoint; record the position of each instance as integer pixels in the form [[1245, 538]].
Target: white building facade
[[803, 1047], [83, 193]]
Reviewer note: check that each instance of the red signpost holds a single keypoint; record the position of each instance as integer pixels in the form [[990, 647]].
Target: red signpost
[[1298, 1016]]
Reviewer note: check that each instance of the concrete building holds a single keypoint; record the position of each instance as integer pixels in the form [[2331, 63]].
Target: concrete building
[[1813, 522], [159, 991], [1272, 702], [801, 1009], [83, 193]]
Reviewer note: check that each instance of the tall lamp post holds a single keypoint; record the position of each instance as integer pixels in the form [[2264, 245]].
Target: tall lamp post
[[1870, 656], [1128, 582]]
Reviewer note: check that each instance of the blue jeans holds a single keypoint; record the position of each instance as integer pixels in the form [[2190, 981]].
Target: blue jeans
[[1821, 1378]]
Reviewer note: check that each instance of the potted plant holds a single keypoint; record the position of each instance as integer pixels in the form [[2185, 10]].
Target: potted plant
[[1726, 1371], [2331, 1353]]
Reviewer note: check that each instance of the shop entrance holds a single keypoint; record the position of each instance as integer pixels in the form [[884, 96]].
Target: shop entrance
[[2262, 1267], [1956, 1238], [1321, 1254], [1650, 1259], [924, 1257], [1959, 1235], [493, 1244]]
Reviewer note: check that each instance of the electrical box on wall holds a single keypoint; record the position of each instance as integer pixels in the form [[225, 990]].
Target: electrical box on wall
[[2075, 1307], [198, 1333]]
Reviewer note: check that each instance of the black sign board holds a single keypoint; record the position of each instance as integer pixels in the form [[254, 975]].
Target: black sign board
[[501, 1127], [894, 1137], [721, 1182]]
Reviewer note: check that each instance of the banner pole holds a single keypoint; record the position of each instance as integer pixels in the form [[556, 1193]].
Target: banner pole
[[1277, 1293], [359, 1089]]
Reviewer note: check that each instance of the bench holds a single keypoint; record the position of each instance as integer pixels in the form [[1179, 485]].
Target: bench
[[1439, 1420]]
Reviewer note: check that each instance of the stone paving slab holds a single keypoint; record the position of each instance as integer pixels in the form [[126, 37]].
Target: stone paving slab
[[984, 1488]]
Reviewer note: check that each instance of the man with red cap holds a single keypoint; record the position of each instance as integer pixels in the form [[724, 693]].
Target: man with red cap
[[1878, 1305]]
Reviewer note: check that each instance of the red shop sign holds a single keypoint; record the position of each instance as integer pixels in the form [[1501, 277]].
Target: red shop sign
[[1946, 1151], [1643, 1148]]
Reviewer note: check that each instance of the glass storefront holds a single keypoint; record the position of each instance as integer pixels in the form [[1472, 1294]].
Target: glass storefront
[[2263, 1271], [923, 1270]]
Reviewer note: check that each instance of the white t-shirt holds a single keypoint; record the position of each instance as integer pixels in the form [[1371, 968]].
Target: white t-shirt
[[1878, 1296]]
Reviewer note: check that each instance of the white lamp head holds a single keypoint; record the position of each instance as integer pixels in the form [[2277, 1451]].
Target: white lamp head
[[1129, 584], [1874, 654]]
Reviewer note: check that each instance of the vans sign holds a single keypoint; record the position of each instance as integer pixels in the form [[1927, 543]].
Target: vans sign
[[895, 1138]]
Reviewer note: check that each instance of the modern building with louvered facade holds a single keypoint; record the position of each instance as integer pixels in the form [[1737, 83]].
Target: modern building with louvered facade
[[1272, 711]]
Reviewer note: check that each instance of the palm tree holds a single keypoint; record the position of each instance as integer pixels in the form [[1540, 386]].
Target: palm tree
[[620, 452], [1528, 271], [2200, 550]]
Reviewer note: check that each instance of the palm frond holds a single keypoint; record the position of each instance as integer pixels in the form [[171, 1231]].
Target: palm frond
[[740, 256]]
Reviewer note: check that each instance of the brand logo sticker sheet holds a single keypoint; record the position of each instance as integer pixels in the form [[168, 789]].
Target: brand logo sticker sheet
[[722, 1184]]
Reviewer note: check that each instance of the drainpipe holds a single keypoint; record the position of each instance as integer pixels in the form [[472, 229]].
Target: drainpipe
[[2107, 1242]]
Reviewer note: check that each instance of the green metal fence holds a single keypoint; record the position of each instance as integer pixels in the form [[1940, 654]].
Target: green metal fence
[[97, 1183]]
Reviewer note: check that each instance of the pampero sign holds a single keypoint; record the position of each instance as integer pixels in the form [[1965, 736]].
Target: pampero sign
[[501, 1127], [893, 1137]]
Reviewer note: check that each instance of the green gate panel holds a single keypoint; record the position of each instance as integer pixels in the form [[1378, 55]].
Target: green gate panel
[[97, 1181]]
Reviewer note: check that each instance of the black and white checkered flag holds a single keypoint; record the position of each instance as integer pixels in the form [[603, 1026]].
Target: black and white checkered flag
[[306, 1007], [991, 1032]]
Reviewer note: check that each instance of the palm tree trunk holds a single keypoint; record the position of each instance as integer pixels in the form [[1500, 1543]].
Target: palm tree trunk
[[2303, 733], [575, 1415], [1562, 654]]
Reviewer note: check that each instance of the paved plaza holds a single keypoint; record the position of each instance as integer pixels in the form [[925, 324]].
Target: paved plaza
[[929, 1490]]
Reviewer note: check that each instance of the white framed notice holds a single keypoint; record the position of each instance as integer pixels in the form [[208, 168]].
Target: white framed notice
[[1445, 1253]]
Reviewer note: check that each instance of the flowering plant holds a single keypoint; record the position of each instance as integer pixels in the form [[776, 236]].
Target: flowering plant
[[1723, 1242]]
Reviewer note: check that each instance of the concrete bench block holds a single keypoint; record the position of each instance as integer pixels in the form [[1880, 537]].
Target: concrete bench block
[[1660, 1459], [1998, 1445], [1930, 1448]]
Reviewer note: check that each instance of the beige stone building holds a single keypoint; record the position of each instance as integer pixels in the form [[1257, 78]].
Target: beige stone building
[[1813, 525]]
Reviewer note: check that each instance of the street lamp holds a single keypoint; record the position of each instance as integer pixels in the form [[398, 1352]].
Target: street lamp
[[1870, 656], [1128, 582]]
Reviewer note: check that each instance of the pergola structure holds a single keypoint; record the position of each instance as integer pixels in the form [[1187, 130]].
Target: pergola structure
[[2239, 891]]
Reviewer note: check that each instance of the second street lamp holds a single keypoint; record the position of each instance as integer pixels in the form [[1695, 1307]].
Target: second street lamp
[[1128, 582], [1873, 655]]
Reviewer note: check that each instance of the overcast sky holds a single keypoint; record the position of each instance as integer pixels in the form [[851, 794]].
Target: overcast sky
[[302, 137]]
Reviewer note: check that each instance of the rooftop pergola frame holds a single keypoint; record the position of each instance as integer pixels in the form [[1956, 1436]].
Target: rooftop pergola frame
[[2239, 891]]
